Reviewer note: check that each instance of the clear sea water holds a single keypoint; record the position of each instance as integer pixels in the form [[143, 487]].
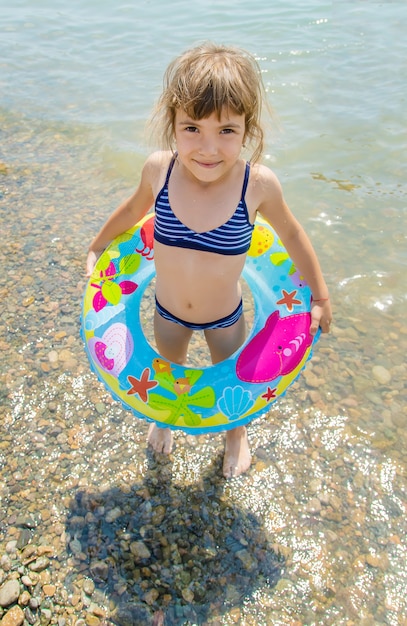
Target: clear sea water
[[77, 83], [335, 74]]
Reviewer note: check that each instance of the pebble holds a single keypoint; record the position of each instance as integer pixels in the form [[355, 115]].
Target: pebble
[[315, 485], [9, 592], [6, 563], [13, 617], [49, 590], [311, 379], [151, 596], [378, 561], [113, 514], [28, 301], [53, 356], [140, 550], [188, 595], [24, 598], [314, 505], [247, 559], [99, 570], [381, 374], [88, 586], [39, 564]]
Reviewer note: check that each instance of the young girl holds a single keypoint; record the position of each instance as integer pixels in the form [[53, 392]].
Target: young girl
[[206, 198]]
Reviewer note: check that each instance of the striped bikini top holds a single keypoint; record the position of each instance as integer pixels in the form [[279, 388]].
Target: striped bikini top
[[232, 237]]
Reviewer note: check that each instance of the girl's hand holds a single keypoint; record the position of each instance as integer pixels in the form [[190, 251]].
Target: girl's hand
[[91, 261], [321, 316]]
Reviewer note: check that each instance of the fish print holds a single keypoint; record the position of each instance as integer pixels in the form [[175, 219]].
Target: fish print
[[276, 350]]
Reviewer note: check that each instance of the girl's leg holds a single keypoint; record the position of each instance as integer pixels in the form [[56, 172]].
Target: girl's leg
[[172, 343], [222, 343]]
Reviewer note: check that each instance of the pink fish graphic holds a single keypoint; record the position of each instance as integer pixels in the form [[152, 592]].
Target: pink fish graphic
[[276, 350]]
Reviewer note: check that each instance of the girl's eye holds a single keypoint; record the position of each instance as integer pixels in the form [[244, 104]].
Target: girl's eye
[[227, 131], [191, 129]]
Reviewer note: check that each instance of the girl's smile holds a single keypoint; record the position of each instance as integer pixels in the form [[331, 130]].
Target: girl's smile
[[207, 165]]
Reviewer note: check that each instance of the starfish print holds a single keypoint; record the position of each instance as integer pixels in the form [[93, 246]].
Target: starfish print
[[289, 299], [141, 386], [270, 393]]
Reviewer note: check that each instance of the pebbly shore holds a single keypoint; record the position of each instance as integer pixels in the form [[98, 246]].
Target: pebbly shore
[[94, 530]]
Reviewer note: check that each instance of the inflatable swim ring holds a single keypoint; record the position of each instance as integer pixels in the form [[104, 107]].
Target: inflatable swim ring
[[214, 398]]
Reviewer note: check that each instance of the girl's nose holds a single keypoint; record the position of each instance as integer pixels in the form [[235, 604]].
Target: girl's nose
[[207, 146]]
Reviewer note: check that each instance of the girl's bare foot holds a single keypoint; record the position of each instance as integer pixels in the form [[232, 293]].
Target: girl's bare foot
[[237, 457], [160, 439]]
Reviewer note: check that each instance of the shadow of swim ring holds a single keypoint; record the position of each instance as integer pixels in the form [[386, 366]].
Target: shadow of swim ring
[[197, 400]]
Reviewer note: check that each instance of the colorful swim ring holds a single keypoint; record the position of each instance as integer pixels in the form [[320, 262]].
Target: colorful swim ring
[[215, 398]]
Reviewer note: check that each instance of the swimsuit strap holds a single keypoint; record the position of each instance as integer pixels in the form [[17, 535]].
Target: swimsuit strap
[[245, 180], [171, 165]]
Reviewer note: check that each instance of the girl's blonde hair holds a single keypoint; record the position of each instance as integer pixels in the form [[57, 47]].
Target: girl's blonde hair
[[208, 79]]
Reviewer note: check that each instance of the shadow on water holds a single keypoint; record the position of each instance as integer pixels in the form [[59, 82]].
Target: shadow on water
[[166, 554]]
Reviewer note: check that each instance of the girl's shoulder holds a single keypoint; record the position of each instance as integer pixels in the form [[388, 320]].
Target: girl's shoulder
[[261, 174], [263, 183], [157, 161], [156, 167]]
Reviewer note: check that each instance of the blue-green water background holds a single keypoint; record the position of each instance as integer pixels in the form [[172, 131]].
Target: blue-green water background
[[335, 76], [77, 83]]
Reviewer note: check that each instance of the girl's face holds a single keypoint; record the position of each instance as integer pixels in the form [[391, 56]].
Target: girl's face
[[209, 147]]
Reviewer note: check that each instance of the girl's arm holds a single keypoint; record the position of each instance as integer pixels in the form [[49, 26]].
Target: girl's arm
[[295, 240], [126, 215]]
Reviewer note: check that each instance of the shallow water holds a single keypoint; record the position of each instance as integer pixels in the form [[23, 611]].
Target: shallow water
[[318, 524]]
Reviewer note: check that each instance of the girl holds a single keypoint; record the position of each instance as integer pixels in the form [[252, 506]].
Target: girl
[[206, 198]]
